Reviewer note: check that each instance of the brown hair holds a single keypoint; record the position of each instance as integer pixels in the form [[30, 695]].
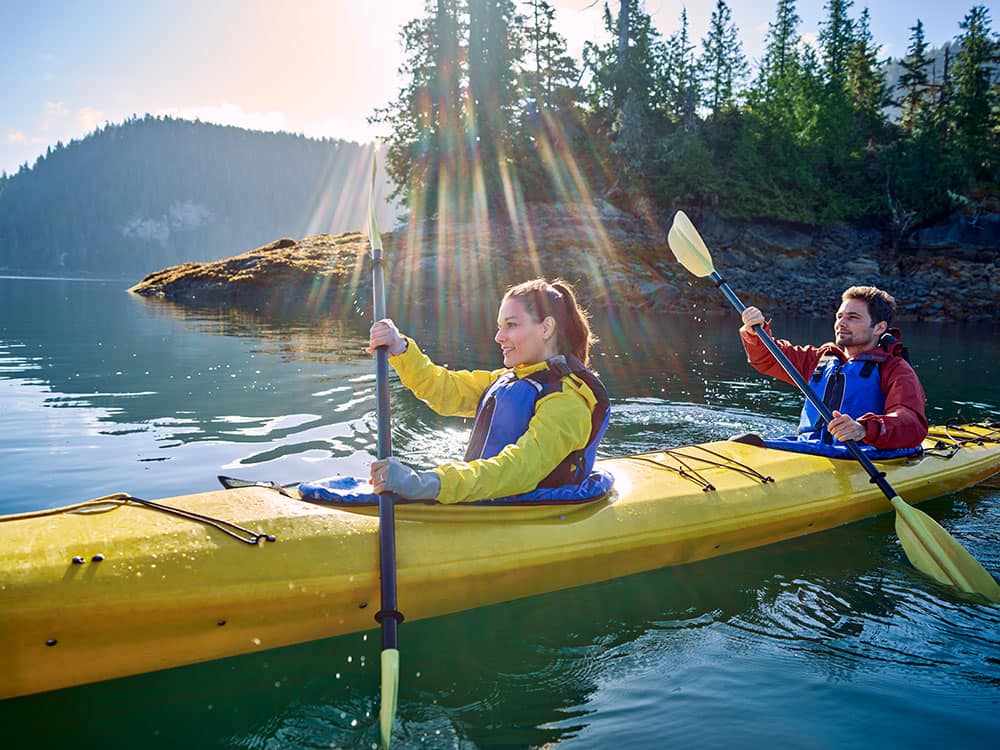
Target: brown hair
[[543, 299], [881, 304]]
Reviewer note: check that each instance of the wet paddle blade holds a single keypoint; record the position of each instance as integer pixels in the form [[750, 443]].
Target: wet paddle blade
[[933, 551], [688, 246], [390, 692], [374, 236]]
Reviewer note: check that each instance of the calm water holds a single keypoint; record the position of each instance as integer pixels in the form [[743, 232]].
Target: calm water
[[833, 641]]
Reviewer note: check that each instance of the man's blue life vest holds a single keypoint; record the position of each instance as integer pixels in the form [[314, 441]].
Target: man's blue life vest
[[507, 406], [852, 387]]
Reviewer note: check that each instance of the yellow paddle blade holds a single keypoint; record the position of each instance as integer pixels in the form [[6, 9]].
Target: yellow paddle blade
[[390, 691], [374, 236], [688, 246], [933, 551]]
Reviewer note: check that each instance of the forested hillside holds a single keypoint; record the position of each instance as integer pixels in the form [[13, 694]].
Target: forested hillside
[[152, 192], [815, 132]]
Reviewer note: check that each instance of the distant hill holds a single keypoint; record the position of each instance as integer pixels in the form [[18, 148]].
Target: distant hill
[[152, 192]]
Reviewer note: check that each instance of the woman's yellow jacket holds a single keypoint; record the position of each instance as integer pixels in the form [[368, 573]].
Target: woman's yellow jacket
[[561, 424]]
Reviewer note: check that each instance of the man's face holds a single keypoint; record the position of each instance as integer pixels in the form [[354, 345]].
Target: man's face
[[853, 330]]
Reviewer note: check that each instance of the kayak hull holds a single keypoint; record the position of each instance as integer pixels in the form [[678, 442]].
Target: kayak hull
[[152, 590]]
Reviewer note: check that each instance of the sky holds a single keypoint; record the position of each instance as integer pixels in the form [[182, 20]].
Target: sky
[[316, 67]]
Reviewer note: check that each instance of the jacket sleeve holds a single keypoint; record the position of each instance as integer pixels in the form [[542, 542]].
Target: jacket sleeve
[[803, 358], [904, 423], [451, 393], [560, 425]]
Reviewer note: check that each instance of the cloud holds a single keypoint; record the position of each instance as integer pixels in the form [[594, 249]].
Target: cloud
[[16, 136], [53, 115], [89, 118], [230, 114]]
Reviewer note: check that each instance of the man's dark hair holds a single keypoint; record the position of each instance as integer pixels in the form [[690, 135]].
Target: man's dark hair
[[881, 304]]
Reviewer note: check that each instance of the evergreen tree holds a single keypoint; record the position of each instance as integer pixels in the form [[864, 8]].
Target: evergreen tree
[[621, 85], [549, 126], [836, 39], [865, 82], [681, 84], [974, 110], [427, 141], [914, 82], [722, 65], [638, 75], [551, 74], [614, 69], [495, 58], [780, 75]]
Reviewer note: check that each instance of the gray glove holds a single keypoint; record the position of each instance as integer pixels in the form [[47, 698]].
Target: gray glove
[[389, 475]]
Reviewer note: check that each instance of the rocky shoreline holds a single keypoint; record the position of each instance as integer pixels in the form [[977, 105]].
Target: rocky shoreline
[[617, 259]]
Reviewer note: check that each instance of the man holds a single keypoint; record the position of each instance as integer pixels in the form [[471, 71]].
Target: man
[[873, 392]]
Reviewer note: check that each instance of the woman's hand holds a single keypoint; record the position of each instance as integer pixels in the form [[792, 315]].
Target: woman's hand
[[384, 333], [389, 475]]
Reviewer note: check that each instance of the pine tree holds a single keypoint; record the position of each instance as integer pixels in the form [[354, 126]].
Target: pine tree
[[779, 81], [495, 57], [836, 39], [865, 82], [974, 110], [914, 82], [722, 65], [549, 128], [426, 145], [681, 83], [550, 73], [637, 76]]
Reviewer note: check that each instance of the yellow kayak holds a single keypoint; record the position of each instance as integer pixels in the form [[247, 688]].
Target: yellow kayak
[[118, 586]]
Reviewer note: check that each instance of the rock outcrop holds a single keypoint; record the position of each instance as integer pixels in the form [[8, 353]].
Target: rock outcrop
[[618, 261]]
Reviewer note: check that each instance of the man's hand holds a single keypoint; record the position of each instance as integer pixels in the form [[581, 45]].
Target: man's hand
[[752, 317], [843, 428]]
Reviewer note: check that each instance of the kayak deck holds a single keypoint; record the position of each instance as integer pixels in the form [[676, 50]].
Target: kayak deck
[[116, 587]]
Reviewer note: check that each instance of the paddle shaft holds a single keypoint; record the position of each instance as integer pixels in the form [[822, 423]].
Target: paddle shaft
[[877, 476], [388, 615]]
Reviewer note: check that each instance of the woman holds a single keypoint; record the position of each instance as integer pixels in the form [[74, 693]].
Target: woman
[[538, 420]]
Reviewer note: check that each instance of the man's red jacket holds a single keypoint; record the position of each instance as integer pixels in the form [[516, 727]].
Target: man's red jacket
[[904, 423]]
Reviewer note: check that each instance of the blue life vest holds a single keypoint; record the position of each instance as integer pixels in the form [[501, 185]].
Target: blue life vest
[[852, 387], [503, 414], [507, 406]]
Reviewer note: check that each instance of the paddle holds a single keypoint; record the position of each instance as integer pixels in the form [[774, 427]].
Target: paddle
[[928, 546], [388, 616]]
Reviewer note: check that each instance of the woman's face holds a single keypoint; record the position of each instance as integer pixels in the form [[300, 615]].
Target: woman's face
[[522, 340]]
